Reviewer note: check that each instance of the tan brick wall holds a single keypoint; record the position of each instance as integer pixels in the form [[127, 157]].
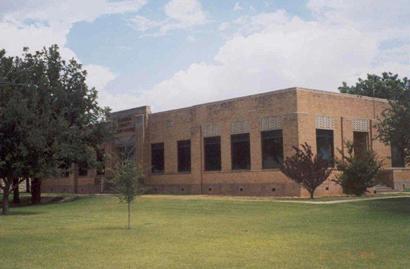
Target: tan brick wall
[[297, 109]]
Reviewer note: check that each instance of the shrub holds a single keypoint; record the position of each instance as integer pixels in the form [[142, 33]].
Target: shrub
[[306, 169], [359, 171]]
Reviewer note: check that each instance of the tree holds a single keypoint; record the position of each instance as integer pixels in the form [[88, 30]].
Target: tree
[[48, 118], [387, 86], [358, 171], [306, 169], [127, 184], [394, 125]]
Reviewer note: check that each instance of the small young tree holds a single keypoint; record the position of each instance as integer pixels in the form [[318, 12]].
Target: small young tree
[[359, 172], [306, 169], [126, 183]]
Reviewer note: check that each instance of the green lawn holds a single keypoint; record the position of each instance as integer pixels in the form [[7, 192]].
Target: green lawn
[[207, 233]]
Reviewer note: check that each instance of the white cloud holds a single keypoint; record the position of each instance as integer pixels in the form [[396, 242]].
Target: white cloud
[[237, 7], [39, 23], [98, 76], [181, 14], [275, 50]]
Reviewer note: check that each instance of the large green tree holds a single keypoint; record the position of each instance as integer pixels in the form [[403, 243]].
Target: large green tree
[[394, 124], [388, 86], [49, 118]]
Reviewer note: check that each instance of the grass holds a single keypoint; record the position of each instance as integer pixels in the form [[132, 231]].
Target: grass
[[168, 232]]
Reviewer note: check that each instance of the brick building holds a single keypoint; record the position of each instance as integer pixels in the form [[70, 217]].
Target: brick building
[[235, 146]]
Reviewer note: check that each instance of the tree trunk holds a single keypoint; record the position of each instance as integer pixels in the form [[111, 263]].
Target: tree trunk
[[35, 191], [16, 191], [311, 194], [5, 201], [129, 215]]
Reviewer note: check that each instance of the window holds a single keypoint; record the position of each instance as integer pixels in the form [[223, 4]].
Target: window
[[272, 149], [126, 151], [157, 158], [397, 156], [240, 151], [212, 149], [82, 169], [184, 156], [324, 143], [360, 143]]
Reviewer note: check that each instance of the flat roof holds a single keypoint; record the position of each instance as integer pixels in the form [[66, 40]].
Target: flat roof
[[272, 92]]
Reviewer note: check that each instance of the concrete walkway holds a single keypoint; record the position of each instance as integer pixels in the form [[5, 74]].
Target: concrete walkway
[[342, 201], [334, 200]]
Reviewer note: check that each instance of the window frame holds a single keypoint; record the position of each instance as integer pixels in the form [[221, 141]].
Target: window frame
[[153, 166], [275, 134], [331, 163], [182, 146], [218, 166], [247, 138]]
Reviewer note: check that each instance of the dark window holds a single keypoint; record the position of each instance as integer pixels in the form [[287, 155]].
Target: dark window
[[272, 149], [184, 156], [324, 143], [240, 151], [360, 143], [212, 149], [126, 151], [83, 169], [157, 158], [64, 170], [397, 156]]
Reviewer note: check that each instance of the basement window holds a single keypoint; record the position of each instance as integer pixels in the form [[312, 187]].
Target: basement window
[[272, 149], [184, 156], [212, 151], [360, 143], [157, 158], [240, 152], [324, 144]]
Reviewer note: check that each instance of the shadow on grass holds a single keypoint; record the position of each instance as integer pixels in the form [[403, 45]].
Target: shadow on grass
[[399, 206], [21, 213], [45, 200]]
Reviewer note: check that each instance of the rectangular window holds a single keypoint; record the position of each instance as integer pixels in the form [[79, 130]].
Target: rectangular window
[[157, 158], [272, 149], [240, 151], [360, 143], [324, 144], [82, 169], [397, 156], [126, 151], [212, 150], [184, 156]]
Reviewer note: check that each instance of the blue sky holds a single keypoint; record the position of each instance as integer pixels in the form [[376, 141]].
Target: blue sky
[[175, 53]]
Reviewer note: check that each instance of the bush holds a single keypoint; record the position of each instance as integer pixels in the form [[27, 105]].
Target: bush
[[359, 172], [306, 169]]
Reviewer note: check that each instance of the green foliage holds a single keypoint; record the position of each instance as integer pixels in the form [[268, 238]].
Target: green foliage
[[394, 125], [387, 86], [306, 169], [126, 183], [358, 171], [48, 116]]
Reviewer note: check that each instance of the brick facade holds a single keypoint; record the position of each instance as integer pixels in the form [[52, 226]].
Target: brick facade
[[298, 112]]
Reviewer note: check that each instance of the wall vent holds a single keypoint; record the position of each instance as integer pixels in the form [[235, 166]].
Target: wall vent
[[325, 122]]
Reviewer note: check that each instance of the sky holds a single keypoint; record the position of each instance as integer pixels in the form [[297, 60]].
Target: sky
[[175, 53]]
